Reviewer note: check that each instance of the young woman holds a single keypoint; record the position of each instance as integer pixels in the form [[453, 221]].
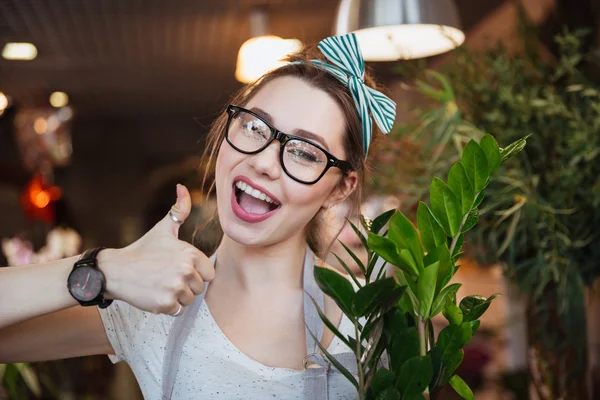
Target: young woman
[[288, 147]]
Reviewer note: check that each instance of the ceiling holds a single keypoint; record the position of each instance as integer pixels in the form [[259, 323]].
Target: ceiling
[[150, 57]]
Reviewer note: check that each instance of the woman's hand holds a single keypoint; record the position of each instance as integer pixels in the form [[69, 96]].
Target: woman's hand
[[158, 272]]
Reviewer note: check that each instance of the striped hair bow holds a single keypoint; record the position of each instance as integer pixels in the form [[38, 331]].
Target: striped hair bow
[[348, 66]]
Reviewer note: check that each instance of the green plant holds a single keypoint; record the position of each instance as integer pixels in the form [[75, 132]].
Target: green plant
[[395, 317], [10, 374], [542, 222]]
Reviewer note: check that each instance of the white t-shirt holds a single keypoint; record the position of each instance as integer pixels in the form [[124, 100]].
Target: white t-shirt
[[211, 366]]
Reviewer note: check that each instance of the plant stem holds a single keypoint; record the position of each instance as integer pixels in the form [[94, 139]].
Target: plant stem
[[361, 376], [455, 239], [422, 338]]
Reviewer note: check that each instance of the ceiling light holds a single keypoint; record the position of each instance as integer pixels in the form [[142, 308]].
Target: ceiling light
[[3, 101], [59, 99], [262, 53], [19, 51], [401, 29]]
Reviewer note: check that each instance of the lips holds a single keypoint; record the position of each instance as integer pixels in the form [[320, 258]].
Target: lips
[[247, 216]]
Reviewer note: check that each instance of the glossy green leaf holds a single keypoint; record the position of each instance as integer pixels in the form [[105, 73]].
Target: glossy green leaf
[[383, 379], [381, 220], [360, 235], [411, 291], [473, 307], [462, 188], [513, 149], [492, 152], [451, 364], [329, 324], [479, 199], [445, 207], [414, 375], [461, 388], [474, 325], [350, 273], [436, 365], [337, 287], [369, 297], [452, 338], [385, 248], [432, 233], [446, 270], [476, 165], [440, 300], [395, 320], [357, 260], [472, 219], [426, 288], [453, 314], [389, 394], [405, 235], [408, 263], [414, 396], [403, 346]]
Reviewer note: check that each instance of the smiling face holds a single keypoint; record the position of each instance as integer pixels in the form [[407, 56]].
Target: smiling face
[[244, 181]]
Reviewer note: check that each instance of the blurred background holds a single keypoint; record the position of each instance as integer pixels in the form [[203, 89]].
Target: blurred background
[[104, 106]]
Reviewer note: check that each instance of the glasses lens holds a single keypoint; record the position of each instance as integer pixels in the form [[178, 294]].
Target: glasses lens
[[304, 161], [247, 132]]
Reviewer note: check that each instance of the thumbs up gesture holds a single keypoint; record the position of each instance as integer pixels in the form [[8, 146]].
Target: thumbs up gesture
[[158, 273]]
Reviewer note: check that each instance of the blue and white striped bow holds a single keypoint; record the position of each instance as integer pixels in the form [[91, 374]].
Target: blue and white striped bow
[[349, 67]]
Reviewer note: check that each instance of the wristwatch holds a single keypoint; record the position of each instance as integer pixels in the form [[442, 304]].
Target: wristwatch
[[86, 282]]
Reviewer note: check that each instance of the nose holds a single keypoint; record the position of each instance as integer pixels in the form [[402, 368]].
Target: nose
[[267, 161]]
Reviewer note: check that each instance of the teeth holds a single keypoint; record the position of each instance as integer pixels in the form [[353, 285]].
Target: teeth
[[253, 192]]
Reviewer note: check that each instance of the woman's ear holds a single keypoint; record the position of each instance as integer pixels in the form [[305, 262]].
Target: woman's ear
[[344, 189]]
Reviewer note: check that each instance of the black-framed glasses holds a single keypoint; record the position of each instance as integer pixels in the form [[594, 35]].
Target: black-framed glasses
[[302, 160]]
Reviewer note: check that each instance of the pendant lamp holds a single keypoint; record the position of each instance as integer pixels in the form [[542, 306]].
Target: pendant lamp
[[389, 30]]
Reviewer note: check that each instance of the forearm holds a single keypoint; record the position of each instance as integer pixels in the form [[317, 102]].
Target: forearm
[[30, 291]]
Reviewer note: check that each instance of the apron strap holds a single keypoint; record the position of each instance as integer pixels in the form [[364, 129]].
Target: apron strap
[[177, 336], [316, 366]]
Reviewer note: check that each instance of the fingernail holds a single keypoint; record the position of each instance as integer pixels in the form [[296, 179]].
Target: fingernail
[[179, 191]]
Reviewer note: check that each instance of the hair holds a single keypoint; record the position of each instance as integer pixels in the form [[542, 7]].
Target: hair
[[300, 67]]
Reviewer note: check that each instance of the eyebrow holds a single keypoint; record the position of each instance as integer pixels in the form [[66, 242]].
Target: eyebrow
[[297, 132]]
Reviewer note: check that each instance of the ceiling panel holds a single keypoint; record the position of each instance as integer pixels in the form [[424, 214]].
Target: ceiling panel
[[131, 57]]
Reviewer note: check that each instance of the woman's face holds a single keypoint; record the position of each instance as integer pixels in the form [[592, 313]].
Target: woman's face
[[290, 105]]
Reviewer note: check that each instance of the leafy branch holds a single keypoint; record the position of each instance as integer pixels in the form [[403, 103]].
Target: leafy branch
[[394, 317]]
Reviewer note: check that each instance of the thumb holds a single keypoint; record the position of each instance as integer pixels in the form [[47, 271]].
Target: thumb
[[178, 212]]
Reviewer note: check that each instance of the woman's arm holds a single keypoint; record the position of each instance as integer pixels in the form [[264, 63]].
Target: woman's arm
[[31, 291], [73, 332], [40, 320]]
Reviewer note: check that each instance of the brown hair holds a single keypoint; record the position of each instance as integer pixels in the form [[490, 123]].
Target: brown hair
[[301, 67]]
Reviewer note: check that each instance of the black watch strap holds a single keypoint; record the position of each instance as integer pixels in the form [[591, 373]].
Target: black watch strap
[[90, 258]]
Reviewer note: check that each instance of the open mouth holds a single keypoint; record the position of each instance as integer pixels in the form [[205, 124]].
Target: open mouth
[[252, 200]]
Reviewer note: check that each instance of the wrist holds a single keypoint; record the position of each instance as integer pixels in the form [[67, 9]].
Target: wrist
[[107, 263]]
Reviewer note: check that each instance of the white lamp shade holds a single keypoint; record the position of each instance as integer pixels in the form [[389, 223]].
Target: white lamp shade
[[262, 54], [389, 30]]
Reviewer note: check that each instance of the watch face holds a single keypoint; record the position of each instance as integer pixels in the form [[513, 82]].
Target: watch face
[[85, 283]]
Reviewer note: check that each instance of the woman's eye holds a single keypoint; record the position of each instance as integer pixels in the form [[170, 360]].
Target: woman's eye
[[304, 155], [256, 127]]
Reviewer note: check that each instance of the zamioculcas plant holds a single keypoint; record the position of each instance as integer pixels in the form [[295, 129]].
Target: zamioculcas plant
[[393, 317]]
